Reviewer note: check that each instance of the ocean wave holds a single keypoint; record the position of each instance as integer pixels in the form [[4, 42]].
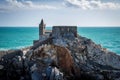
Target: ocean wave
[[12, 48]]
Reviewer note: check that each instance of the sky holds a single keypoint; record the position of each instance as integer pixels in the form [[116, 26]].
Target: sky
[[60, 12]]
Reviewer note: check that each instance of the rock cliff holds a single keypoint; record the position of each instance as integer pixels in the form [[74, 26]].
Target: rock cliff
[[73, 58]]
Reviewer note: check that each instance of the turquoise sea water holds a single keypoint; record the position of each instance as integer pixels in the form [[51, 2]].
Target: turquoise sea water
[[20, 37]]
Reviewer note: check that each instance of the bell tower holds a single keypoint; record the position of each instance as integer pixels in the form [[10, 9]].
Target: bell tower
[[41, 28]]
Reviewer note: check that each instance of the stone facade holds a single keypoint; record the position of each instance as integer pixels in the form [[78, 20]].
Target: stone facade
[[64, 31], [69, 32], [35, 41]]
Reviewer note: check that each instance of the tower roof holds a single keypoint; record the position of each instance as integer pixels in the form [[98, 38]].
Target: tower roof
[[42, 22]]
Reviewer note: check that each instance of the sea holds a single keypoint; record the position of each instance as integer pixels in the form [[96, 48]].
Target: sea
[[21, 37]]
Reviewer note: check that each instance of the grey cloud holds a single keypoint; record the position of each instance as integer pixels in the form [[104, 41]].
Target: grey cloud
[[91, 4], [27, 5]]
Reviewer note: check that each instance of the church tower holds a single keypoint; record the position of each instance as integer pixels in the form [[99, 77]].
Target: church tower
[[41, 28]]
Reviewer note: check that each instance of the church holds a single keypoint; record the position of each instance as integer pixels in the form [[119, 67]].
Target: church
[[56, 32]]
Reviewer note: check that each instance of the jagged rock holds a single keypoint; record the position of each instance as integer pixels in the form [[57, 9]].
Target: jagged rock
[[60, 55], [72, 59], [2, 53], [1, 67], [12, 53]]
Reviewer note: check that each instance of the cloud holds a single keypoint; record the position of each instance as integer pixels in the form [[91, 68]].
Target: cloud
[[2, 10], [15, 4], [91, 4]]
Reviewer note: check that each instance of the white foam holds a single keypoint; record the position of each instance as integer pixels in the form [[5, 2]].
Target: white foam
[[19, 47]]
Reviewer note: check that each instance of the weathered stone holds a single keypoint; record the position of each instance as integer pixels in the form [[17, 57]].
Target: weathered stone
[[62, 54], [1, 67]]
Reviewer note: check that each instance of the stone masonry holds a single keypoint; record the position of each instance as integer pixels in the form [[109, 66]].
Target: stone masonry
[[57, 32]]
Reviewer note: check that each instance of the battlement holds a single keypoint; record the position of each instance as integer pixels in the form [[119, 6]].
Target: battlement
[[64, 31]]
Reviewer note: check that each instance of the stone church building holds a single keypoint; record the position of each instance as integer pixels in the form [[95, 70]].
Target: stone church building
[[56, 32]]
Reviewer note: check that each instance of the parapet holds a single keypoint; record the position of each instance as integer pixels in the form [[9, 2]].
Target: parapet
[[64, 31]]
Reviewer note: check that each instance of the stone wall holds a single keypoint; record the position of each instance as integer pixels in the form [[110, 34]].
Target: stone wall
[[41, 29], [64, 31], [35, 41]]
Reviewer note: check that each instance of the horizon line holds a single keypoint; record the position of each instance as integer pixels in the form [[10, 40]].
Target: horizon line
[[61, 25]]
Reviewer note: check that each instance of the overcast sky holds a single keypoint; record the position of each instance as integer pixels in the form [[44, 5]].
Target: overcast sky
[[60, 12]]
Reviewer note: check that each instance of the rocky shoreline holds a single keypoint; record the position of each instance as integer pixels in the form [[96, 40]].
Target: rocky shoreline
[[60, 59]]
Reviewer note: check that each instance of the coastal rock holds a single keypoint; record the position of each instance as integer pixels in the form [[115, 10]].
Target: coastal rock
[[2, 53], [102, 56], [59, 55], [72, 59]]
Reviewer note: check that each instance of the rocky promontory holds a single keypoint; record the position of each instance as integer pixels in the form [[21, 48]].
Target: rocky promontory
[[61, 58]]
